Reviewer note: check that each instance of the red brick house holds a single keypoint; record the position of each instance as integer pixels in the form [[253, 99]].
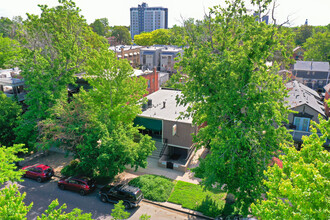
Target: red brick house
[[152, 77]]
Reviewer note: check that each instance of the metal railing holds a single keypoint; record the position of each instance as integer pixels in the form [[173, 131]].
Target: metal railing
[[164, 147]]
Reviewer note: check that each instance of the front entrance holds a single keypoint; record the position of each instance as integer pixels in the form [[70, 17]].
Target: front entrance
[[169, 165]]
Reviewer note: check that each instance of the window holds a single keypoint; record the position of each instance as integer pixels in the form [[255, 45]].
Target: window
[[149, 84], [302, 124]]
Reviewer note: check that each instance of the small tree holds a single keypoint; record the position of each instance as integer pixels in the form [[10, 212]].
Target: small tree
[[301, 190], [119, 213]]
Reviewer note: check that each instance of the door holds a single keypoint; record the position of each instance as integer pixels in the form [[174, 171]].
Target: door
[[169, 165]]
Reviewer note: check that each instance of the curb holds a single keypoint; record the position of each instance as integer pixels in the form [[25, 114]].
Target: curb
[[178, 210]]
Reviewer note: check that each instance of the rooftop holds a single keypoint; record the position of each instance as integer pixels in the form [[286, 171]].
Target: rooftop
[[311, 65], [125, 47], [300, 94], [171, 112]]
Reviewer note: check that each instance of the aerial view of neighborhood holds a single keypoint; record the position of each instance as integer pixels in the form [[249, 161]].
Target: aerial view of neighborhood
[[164, 110]]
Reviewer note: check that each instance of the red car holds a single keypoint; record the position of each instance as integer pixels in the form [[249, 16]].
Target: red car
[[40, 172], [83, 185]]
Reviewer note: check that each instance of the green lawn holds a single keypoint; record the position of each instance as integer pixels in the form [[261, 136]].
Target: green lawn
[[156, 188], [193, 197]]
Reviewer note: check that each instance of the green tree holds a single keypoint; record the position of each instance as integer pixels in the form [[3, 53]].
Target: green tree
[[9, 28], [119, 213], [97, 126], [12, 204], [241, 98], [318, 47], [161, 36], [122, 35], [9, 52], [302, 34], [10, 113], [56, 46], [301, 190], [100, 26], [143, 39]]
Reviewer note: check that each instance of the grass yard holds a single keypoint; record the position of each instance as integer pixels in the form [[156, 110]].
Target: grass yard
[[156, 188], [193, 197]]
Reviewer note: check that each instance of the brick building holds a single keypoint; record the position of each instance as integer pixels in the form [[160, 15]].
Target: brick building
[[128, 52]]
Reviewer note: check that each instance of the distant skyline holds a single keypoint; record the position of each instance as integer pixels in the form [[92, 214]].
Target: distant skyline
[[118, 12]]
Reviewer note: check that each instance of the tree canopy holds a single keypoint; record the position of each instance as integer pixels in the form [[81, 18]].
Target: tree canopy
[[97, 125], [10, 52], [122, 35], [10, 113], [56, 45], [231, 87], [318, 47], [301, 189], [101, 26]]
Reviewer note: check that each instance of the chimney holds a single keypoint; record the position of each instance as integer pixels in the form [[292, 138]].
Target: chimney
[[164, 104]]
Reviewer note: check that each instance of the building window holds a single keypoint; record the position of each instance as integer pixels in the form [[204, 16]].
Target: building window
[[302, 124], [148, 83]]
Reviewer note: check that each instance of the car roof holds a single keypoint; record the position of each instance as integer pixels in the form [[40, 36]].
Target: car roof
[[130, 189], [82, 178], [41, 166]]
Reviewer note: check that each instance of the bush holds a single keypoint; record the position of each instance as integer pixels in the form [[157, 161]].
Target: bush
[[156, 188], [74, 169]]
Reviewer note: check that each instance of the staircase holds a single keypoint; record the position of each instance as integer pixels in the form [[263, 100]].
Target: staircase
[[159, 146]]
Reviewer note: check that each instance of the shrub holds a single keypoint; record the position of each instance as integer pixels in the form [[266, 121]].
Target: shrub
[[156, 188]]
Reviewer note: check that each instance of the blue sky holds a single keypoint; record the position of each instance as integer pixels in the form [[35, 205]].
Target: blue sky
[[316, 11]]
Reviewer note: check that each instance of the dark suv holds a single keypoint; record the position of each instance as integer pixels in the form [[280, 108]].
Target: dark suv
[[83, 185], [40, 172], [130, 195]]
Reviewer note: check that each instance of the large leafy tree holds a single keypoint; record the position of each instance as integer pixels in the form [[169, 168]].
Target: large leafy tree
[[122, 35], [97, 126], [301, 190], [12, 204], [161, 36], [318, 47], [241, 98], [302, 33], [9, 52], [143, 39], [9, 28], [10, 113], [101, 26], [56, 46]]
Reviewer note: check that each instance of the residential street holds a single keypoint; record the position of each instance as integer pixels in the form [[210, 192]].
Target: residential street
[[41, 194]]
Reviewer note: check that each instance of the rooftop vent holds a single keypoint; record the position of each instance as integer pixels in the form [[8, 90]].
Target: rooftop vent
[[149, 103]]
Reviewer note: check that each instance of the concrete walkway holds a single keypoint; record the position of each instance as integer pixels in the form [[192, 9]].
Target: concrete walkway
[[153, 168]]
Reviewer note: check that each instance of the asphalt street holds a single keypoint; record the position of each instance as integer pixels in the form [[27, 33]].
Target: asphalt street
[[42, 194]]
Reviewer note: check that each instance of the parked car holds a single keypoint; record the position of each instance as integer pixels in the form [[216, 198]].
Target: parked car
[[83, 185], [40, 172], [130, 195]]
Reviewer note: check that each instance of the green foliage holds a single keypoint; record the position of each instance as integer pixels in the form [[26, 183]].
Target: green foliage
[[194, 197], [12, 205], [57, 44], [302, 34], [143, 39], [161, 36], [122, 35], [97, 126], [318, 47], [241, 98], [100, 26], [9, 28], [7, 166], [145, 217], [10, 113], [59, 214], [301, 190], [156, 188], [119, 213], [9, 52]]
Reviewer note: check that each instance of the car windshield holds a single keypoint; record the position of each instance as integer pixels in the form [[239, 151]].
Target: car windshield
[[138, 194], [47, 170]]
